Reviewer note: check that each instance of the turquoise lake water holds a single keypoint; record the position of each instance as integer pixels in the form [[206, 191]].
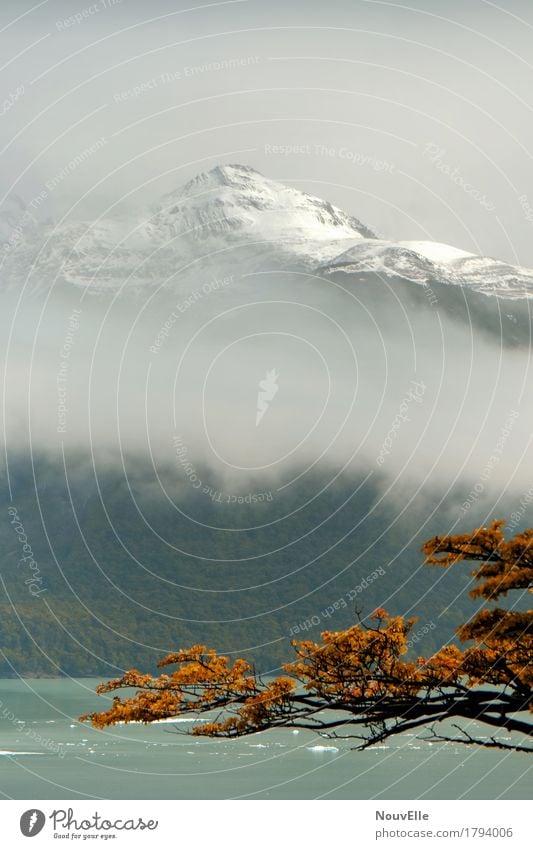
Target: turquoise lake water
[[45, 753]]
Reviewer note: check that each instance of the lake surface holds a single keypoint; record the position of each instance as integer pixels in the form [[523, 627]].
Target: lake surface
[[45, 753]]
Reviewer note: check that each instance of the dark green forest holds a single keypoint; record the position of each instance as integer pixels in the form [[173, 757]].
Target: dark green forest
[[128, 576]]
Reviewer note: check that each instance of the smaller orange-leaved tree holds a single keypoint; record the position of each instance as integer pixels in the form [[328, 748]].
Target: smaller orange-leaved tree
[[358, 683]]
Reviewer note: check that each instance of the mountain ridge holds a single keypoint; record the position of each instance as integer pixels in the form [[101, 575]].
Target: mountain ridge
[[235, 211]]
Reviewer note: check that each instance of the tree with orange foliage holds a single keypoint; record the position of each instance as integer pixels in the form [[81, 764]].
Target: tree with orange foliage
[[357, 683]]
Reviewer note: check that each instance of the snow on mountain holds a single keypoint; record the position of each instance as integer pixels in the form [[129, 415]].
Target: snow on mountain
[[236, 205], [235, 200], [234, 216], [231, 205], [421, 262], [382, 257], [492, 277], [436, 251]]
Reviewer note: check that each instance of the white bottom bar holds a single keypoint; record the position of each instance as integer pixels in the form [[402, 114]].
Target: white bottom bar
[[199, 824]]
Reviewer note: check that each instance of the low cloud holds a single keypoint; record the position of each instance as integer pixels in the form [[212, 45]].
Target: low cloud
[[82, 374]]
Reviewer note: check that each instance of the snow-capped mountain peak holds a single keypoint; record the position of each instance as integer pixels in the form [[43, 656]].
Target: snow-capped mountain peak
[[238, 201], [233, 215], [235, 176]]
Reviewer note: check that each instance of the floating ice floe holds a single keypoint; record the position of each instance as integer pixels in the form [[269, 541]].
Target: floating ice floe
[[8, 753], [170, 719], [322, 749]]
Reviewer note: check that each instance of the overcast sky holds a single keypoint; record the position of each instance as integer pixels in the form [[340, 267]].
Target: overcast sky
[[416, 118]]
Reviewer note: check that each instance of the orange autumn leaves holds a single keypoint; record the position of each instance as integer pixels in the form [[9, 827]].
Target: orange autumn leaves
[[505, 565], [503, 650], [360, 663], [355, 669], [271, 706], [202, 679]]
